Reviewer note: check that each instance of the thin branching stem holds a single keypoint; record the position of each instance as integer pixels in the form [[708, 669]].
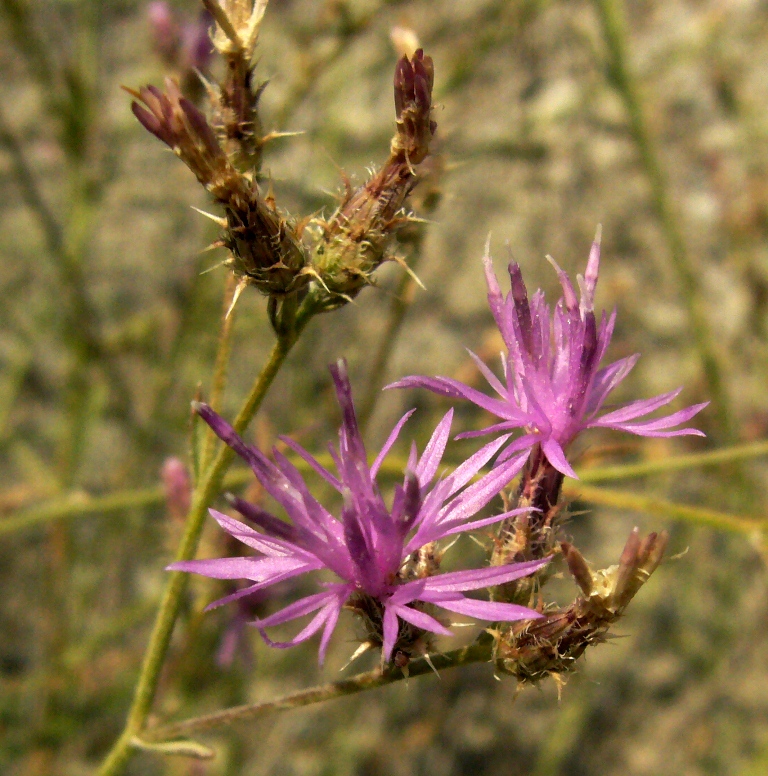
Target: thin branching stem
[[651, 505], [724, 455], [370, 680], [614, 29], [401, 303], [223, 352]]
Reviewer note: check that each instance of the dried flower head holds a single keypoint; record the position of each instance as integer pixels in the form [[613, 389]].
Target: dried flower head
[[374, 549], [553, 387], [235, 101], [552, 644]]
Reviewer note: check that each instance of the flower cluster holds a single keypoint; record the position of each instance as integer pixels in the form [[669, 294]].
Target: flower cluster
[[280, 255], [372, 548], [552, 385]]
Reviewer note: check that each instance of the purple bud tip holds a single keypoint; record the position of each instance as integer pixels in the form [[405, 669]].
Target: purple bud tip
[[519, 291]]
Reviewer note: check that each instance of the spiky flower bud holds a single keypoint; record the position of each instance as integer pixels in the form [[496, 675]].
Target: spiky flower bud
[[172, 118], [414, 79], [354, 240], [265, 249]]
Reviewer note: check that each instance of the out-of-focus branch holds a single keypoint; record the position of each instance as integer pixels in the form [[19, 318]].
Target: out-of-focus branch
[[614, 28], [76, 505]]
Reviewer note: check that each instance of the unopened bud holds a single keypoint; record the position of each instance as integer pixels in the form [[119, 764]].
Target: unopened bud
[[265, 250], [178, 488], [353, 243]]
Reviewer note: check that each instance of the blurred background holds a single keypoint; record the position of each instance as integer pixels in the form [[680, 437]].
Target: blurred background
[[552, 118]]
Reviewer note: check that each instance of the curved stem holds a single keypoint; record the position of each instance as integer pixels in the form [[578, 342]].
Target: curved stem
[[209, 485]]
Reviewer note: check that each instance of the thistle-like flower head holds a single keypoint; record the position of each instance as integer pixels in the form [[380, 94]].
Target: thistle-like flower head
[[552, 386], [370, 546]]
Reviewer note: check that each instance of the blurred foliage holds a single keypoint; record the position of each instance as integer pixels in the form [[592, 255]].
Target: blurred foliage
[[108, 328]]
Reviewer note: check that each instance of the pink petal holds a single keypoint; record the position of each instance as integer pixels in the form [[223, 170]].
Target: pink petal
[[488, 610], [319, 468], [420, 620], [391, 439], [639, 408], [390, 629], [474, 579], [556, 456], [433, 452], [446, 386], [493, 381]]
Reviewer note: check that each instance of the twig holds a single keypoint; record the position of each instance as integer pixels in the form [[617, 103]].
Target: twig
[[366, 681]]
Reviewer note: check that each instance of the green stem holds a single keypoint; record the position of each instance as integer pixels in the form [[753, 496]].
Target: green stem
[[611, 15], [708, 518], [209, 485], [675, 463], [369, 680], [223, 352], [401, 303]]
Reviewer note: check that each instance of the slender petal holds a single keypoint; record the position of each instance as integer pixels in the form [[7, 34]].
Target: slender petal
[[369, 545], [554, 386], [391, 439]]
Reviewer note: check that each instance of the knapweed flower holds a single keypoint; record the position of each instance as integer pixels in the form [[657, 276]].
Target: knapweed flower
[[553, 387], [372, 546]]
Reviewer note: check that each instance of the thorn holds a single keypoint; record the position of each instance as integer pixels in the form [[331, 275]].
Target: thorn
[[679, 554], [477, 542], [238, 290], [410, 272], [213, 94], [222, 222], [215, 266], [275, 135], [312, 272], [362, 649], [429, 662], [213, 246]]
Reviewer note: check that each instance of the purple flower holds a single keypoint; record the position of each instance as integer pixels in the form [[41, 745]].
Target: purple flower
[[552, 385], [186, 46], [368, 546]]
